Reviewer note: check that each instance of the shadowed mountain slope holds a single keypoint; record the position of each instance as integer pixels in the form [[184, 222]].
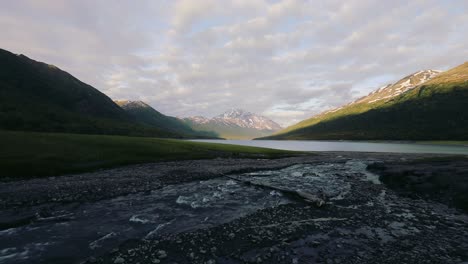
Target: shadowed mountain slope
[[36, 96], [427, 105]]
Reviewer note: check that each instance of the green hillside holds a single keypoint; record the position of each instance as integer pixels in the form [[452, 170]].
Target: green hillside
[[36, 96], [148, 116], [435, 110]]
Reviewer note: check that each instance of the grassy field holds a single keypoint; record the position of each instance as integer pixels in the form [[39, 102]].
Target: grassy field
[[30, 154]]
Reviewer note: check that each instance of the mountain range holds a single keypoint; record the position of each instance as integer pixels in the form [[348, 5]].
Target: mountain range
[[35, 96], [146, 115], [235, 124], [426, 105]]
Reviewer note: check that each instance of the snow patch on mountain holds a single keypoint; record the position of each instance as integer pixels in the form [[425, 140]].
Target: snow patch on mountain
[[392, 90], [400, 87], [127, 104], [239, 118]]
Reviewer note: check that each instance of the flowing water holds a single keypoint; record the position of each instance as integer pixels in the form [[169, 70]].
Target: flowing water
[[314, 145], [69, 233]]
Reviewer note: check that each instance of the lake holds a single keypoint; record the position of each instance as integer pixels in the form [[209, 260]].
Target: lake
[[315, 145]]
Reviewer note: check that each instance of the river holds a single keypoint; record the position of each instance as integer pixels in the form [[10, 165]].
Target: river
[[362, 146]]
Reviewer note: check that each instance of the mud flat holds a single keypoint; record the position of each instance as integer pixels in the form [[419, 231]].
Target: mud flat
[[243, 211]]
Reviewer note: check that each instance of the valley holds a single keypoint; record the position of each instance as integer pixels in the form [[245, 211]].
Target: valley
[[235, 124], [176, 154]]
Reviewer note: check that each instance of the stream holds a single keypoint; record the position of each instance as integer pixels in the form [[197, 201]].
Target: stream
[[72, 233]]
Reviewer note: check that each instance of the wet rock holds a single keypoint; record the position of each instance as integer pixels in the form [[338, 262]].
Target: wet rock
[[162, 254], [368, 223], [311, 198], [119, 260]]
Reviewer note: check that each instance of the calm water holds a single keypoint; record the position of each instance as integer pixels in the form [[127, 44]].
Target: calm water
[[312, 145]]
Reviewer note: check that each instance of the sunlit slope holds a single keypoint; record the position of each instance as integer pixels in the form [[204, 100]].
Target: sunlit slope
[[433, 110]]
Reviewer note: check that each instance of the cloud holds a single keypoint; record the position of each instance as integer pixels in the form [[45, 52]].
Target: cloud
[[287, 59]]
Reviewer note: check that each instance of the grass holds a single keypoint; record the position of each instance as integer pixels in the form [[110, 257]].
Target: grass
[[32, 154]]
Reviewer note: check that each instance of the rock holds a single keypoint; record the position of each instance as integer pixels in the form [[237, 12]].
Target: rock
[[162, 254], [311, 198], [119, 260]]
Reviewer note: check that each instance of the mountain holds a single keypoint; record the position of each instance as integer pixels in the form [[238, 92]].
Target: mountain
[[391, 90], [235, 124], [148, 116], [36, 96], [427, 105]]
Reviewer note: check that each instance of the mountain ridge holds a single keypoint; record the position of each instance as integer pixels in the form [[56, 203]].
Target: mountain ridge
[[391, 90], [235, 124], [147, 115], [437, 99], [36, 96]]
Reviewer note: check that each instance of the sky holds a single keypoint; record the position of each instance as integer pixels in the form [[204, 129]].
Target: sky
[[284, 59]]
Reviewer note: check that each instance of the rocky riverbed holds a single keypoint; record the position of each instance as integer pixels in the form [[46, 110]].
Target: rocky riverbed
[[323, 208]]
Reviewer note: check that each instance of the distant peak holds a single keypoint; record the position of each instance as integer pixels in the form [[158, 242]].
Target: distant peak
[[129, 103], [240, 118], [234, 113], [235, 110]]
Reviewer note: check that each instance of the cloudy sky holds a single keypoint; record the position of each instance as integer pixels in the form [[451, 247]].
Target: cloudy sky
[[284, 59]]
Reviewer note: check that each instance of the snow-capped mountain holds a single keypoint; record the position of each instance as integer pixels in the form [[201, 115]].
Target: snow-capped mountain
[[389, 91], [144, 114], [246, 119], [127, 104], [426, 105], [235, 123]]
